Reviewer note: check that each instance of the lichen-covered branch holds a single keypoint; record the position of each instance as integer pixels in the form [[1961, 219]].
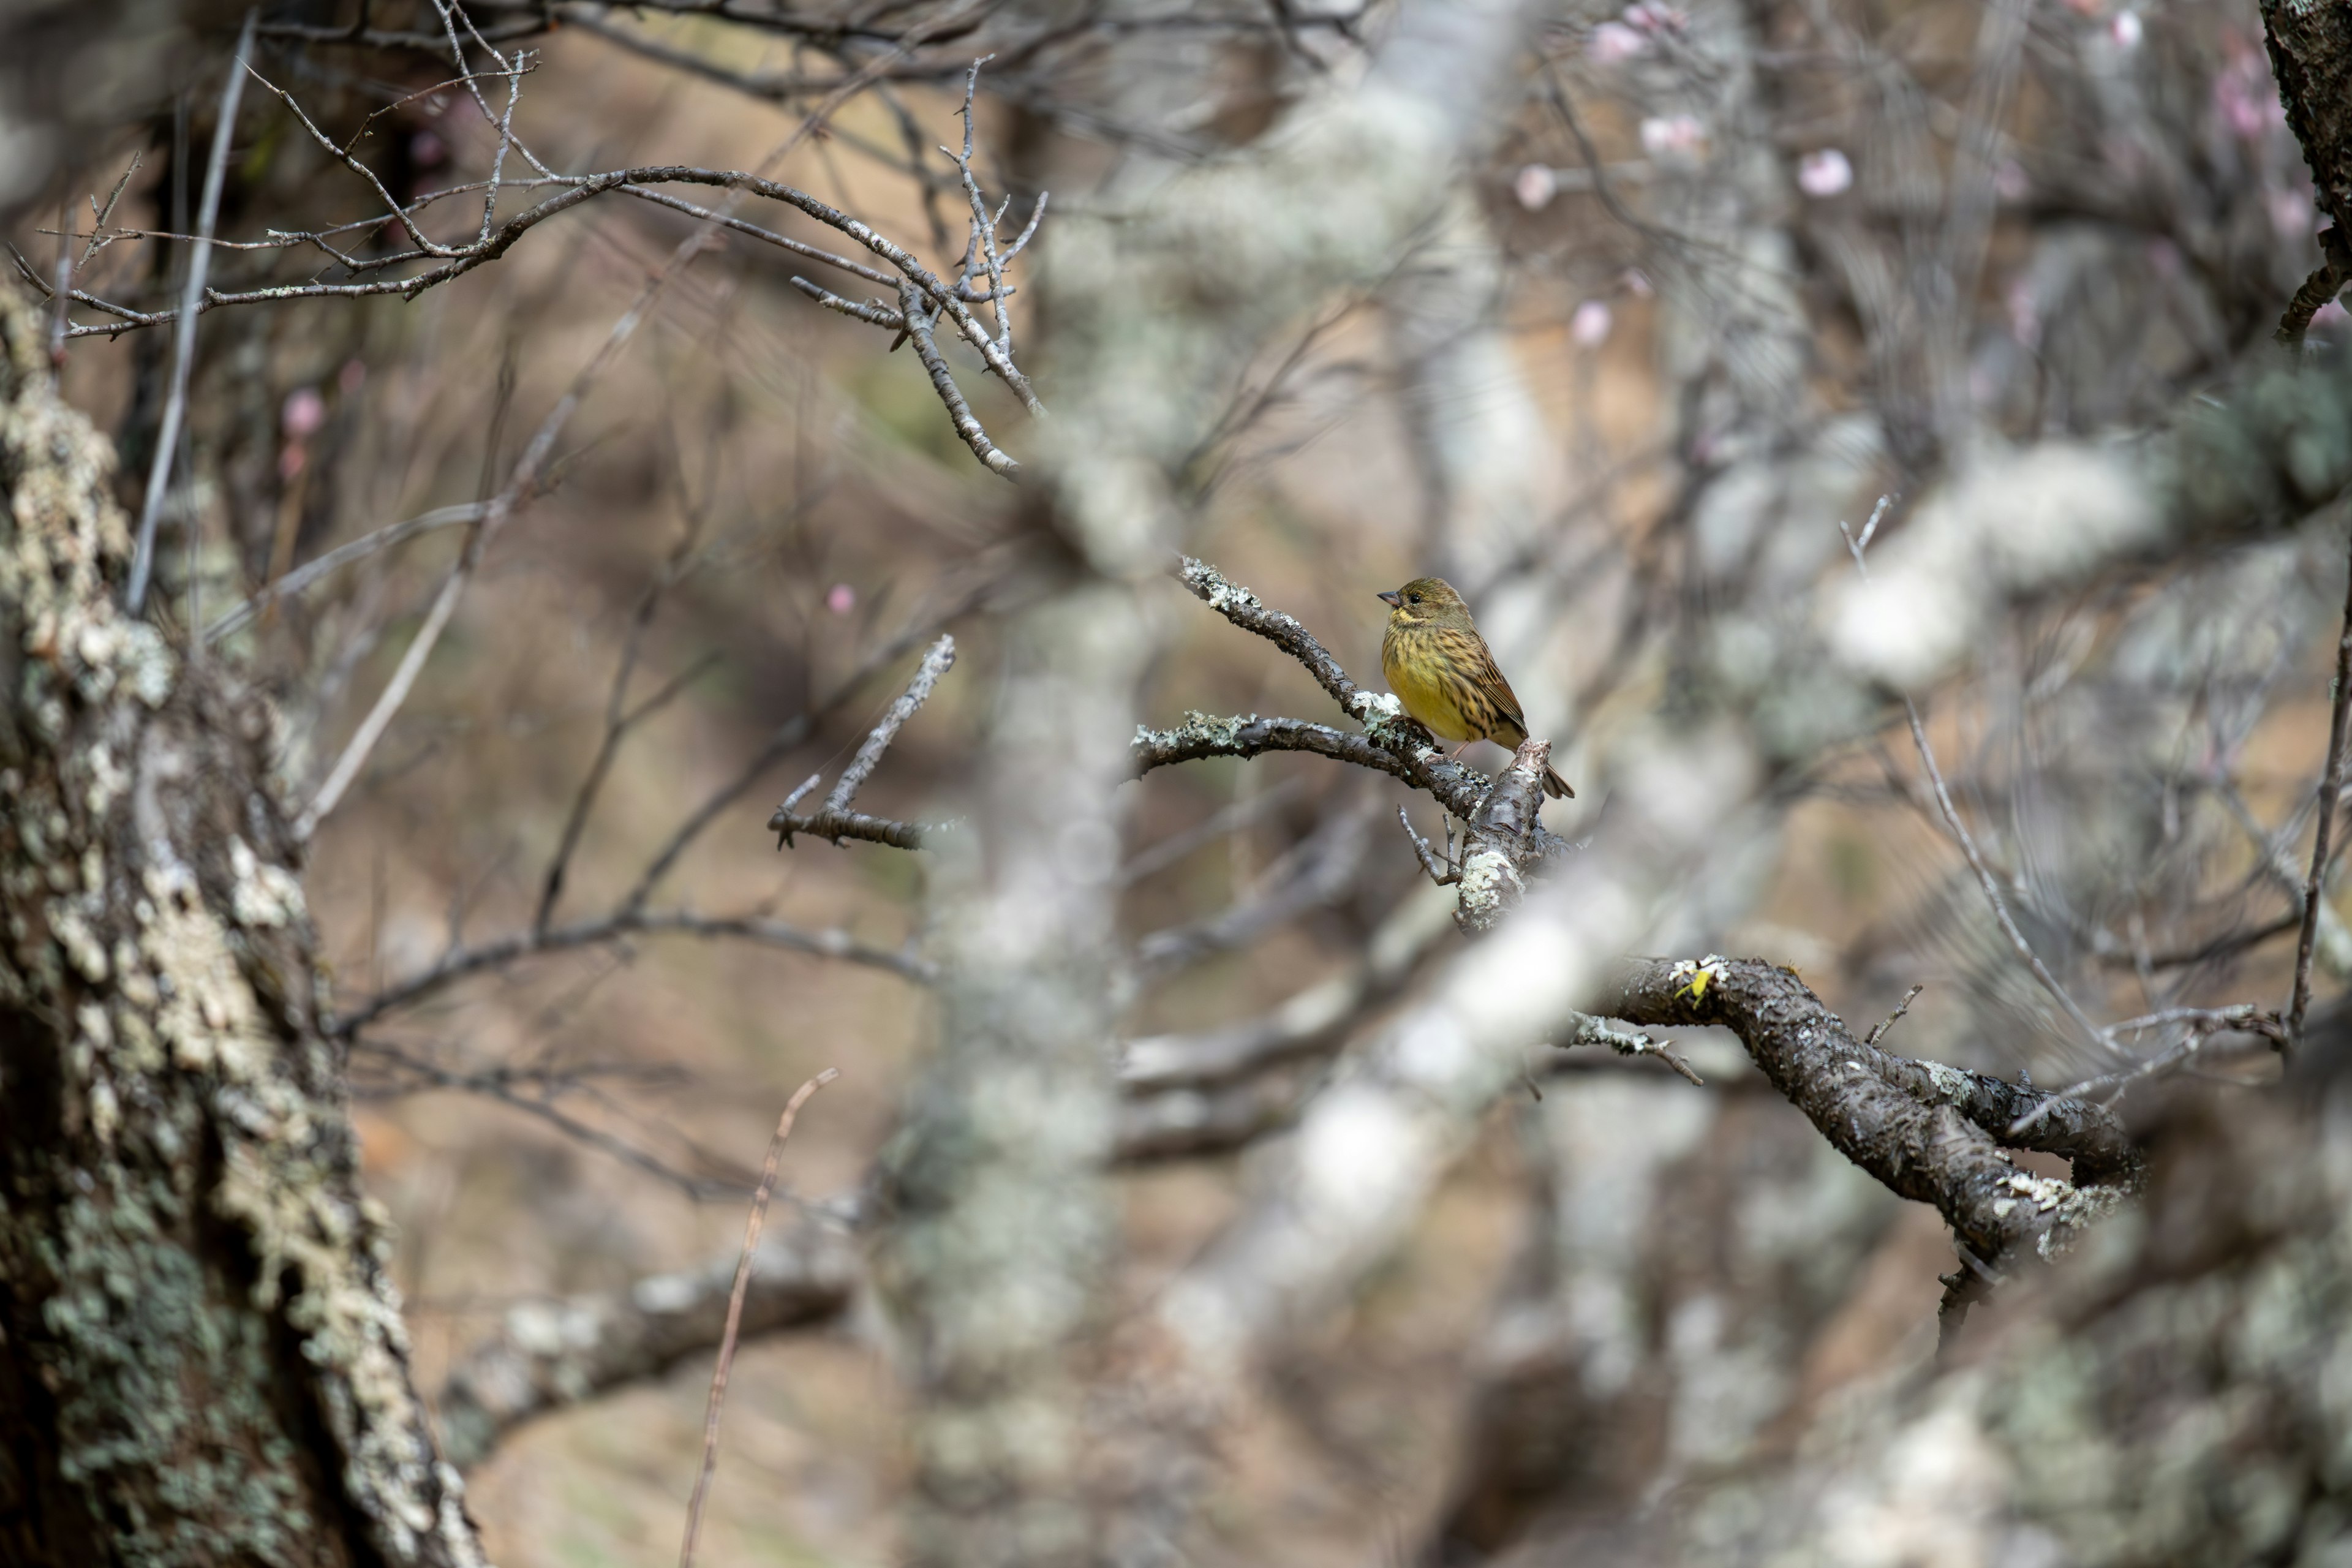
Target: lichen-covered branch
[[1930, 1132], [202, 1358], [1504, 850], [834, 821], [1389, 742]]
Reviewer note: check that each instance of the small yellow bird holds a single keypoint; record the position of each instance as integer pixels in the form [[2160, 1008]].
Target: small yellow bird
[[1443, 673]]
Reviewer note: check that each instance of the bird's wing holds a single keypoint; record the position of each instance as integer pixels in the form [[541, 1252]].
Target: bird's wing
[[1498, 692]]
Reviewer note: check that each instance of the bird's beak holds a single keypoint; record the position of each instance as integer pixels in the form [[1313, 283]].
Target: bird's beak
[[1393, 597]]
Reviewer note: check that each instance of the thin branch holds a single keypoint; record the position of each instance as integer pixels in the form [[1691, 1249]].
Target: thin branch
[[1591, 1031], [2327, 282], [2331, 789], [788, 736], [184, 349], [1446, 872], [463, 962], [1878, 1031], [735, 1310], [1318, 871], [803, 1275], [360, 549], [1158, 857], [618, 722], [936, 663], [917, 327], [871, 315], [834, 821], [2098, 1037], [506, 1087], [519, 485]]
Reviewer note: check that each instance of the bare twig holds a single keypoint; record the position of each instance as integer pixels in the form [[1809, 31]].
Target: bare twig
[[2331, 790], [183, 348], [787, 736], [871, 314], [735, 1309], [1856, 546], [534, 1093], [936, 663], [1591, 1031], [2326, 280], [619, 719], [1878, 1032], [1158, 857], [1443, 872], [2098, 1037], [463, 961], [917, 327], [310, 572], [522, 482]]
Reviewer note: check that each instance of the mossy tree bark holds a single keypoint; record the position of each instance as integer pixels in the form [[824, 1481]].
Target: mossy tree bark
[[201, 1353]]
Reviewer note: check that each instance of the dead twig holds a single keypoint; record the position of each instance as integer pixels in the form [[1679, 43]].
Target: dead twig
[[735, 1309], [1879, 1033], [834, 821]]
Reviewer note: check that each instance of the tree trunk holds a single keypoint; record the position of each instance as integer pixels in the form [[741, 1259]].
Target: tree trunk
[[202, 1358]]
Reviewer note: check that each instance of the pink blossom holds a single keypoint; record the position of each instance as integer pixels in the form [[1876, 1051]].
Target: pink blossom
[[2010, 182], [1654, 17], [1636, 282], [1613, 43], [1589, 328], [2331, 314], [2126, 30], [1535, 186], [1680, 136], [2290, 213], [1825, 172], [2246, 98], [304, 412], [427, 150], [841, 598], [2024, 308]]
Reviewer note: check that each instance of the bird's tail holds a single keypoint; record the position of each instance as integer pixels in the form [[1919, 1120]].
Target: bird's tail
[[1556, 786]]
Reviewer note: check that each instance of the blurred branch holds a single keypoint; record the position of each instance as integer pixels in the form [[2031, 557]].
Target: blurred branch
[[458, 964], [2098, 1037], [534, 1091], [619, 719], [2331, 792], [1306, 1023], [735, 1297], [544, 1356], [184, 344], [310, 572], [1315, 872]]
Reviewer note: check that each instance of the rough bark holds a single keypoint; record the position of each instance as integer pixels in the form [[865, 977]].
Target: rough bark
[[1929, 1132], [204, 1359]]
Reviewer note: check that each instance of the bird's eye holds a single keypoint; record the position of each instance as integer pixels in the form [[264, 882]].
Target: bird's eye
[[1414, 597]]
